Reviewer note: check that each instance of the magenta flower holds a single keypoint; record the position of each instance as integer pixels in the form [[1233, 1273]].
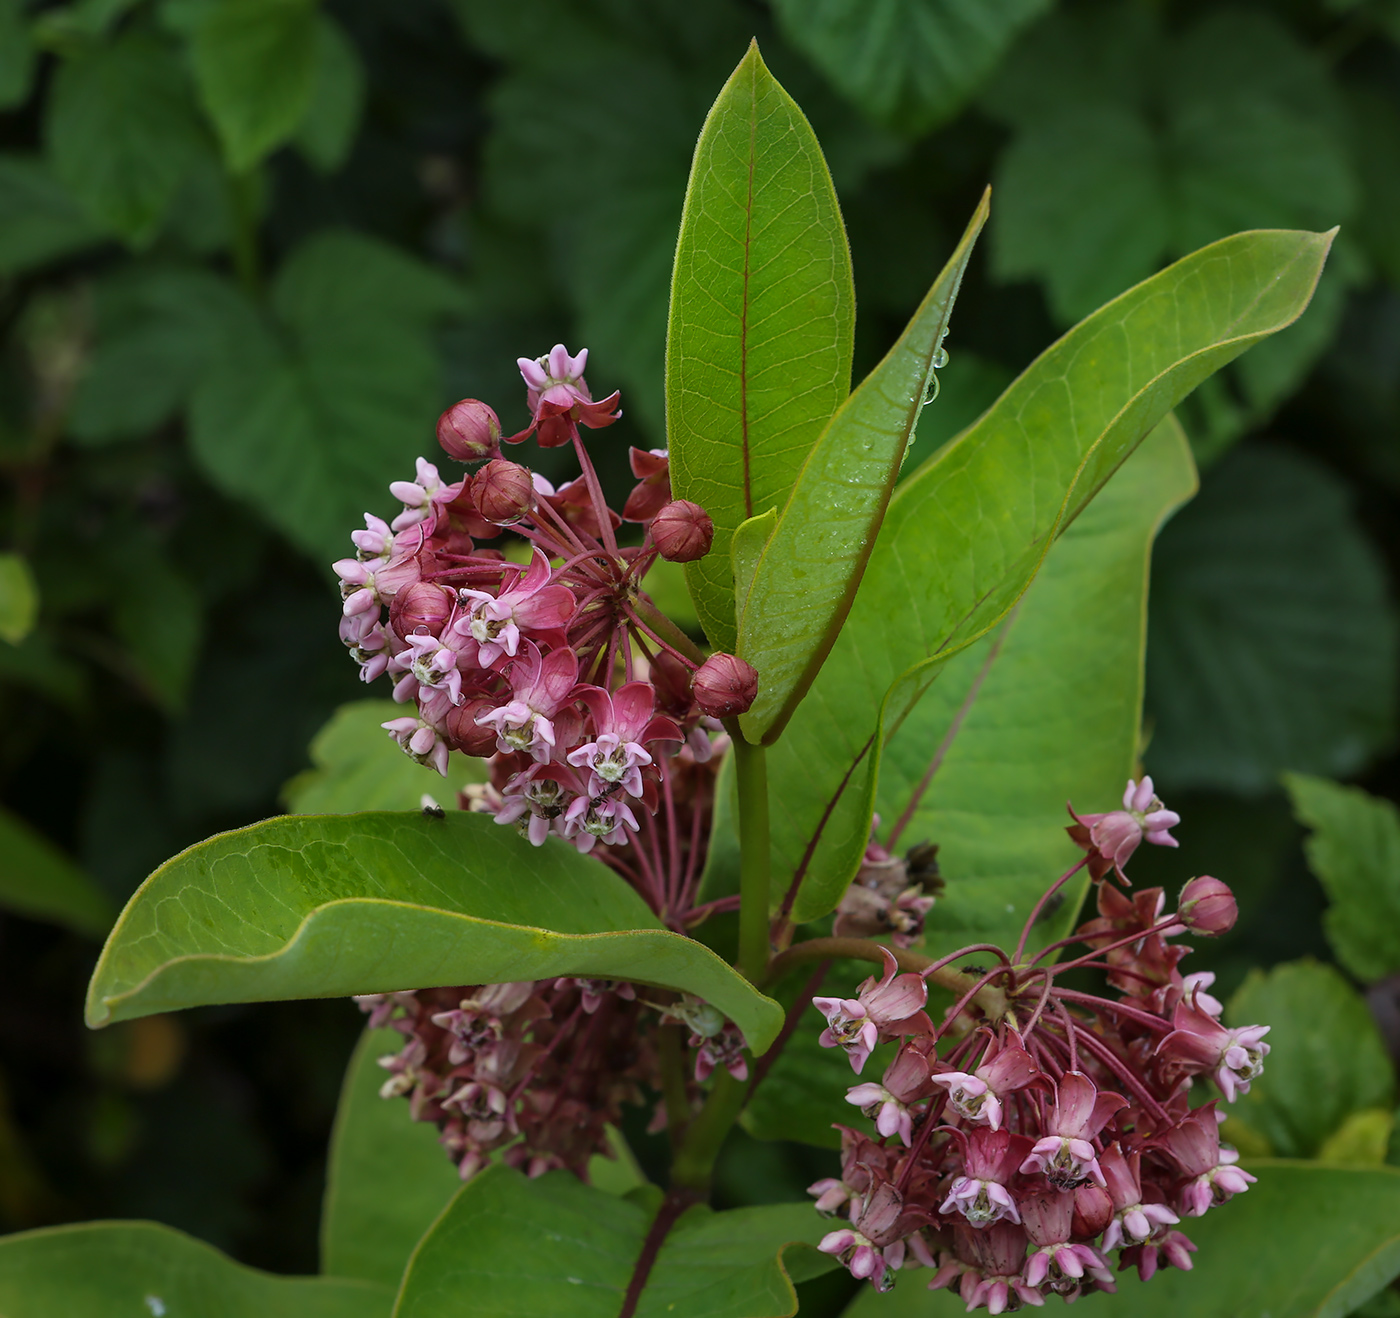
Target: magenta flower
[[1056, 1263], [976, 1096], [1164, 1248], [1133, 1221], [558, 396], [420, 497], [420, 739], [1194, 1142], [590, 820], [622, 722], [1064, 1154], [855, 1023], [427, 663], [987, 1266], [990, 1162], [540, 687], [544, 793], [1200, 1043], [904, 1082], [527, 604], [1110, 839]]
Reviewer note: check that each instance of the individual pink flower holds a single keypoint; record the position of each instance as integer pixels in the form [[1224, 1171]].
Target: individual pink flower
[[623, 721], [1110, 839], [1207, 906], [540, 686], [427, 664], [1057, 1263], [420, 739], [1163, 1248], [725, 1049], [527, 604], [1194, 1143], [590, 820], [976, 1096], [1064, 1154], [652, 492], [1198, 1042], [543, 793], [987, 1266], [1193, 990], [863, 1259], [904, 1082], [1133, 1221], [421, 497], [980, 1194], [855, 1023], [558, 396], [832, 1195]]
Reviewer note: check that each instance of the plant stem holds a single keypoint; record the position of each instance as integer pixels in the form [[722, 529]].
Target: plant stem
[[751, 765], [695, 1160], [671, 1052]]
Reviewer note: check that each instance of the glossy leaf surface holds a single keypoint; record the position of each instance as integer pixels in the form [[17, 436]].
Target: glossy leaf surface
[[333, 905], [102, 1269], [556, 1246], [1308, 1241], [806, 575], [388, 1177], [965, 535], [762, 315]]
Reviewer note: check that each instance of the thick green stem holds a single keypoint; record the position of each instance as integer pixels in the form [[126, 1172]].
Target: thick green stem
[[695, 1160], [751, 764], [670, 1047]]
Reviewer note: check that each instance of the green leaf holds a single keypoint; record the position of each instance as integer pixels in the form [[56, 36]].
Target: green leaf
[[321, 906], [256, 62], [1375, 126], [762, 315], [39, 881], [1274, 642], [556, 1246], [908, 64], [1327, 1063], [161, 626], [1306, 1242], [803, 582], [19, 599], [16, 55], [327, 129], [358, 766], [122, 132], [388, 1177], [965, 535], [39, 219], [1354, 850], [311, 418], [100, 1269]]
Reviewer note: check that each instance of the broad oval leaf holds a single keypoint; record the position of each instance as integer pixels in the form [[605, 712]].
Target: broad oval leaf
[[1308, 1241], [758, 354], [966, 534], [792, 602], [320, 906], [100, 1269], [557, 1246]]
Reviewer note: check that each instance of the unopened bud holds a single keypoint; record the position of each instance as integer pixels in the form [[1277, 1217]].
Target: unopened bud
[[422, 604], [682, 531], [503, 492], [1207, 906], [469, 431], [723, 685], [463, 731], [1093, 1211]]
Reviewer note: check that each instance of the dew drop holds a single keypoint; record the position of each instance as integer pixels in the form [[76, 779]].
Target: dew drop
[[940, 358]]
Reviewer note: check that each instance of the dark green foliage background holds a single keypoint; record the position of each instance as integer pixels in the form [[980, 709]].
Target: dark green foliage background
[[247, 251]]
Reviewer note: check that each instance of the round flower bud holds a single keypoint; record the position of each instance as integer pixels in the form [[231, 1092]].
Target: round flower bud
[[682, 531], [1207, 906], [463, 731], [422, 604], [1093, 1211], [503, 492], [469, 431], [723, 685]]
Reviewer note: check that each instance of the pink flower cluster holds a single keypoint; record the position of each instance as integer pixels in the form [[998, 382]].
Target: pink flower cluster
[[559, 667], [1020, 1144]]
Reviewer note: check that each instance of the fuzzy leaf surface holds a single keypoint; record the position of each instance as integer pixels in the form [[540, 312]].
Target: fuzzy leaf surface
[[966, 534], [557, 1246], [100, 1269], [320, 906], [758, 355], [807, 573]]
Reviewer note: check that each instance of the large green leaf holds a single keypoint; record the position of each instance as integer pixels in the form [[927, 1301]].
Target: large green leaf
[[102, 1269], [38, 880], [556, 1246], [320, 906], [1274, 641], [762, 316], [802, 582], [1308, 1241], [388, 1177], [907, 63], [19, 598], [39, 218], [16, 54], [327, 129], [256, 62], [1355, 850], [965, 535]]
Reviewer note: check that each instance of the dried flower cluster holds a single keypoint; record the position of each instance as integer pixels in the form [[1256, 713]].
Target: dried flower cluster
[[1013, 1156]]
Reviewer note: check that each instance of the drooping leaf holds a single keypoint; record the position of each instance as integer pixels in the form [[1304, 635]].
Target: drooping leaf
[[358, 766], [1274, 642], [256, 62], [100, 1269], [909, 64], [122, 131], [556, 1246], [758, 356], [806, 574], [38, 880], [332, 905], [965, 535], [327, 129], [388, 1177], [39, 219], [1355, 851], [1308, 1241], [19, 599]]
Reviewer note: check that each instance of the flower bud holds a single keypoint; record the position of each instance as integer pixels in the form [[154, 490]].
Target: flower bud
[[469, 431], [1207, 906], [723, 685], [503, 492], [422, 604], [463, 732], [682, 531], [1093, 1211]]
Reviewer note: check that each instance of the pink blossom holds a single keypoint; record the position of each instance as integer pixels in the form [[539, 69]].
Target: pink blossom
[[1064, 1154], [544, 793], [855, 1023], [905, 1081], [981, 1194], [590, 820], [1133, 1221], [1112, 838], [540, 687], [1200, 1043], [559, 399], [976, 1096], [529, 603], [420, 496], [622, 722], [421, 740]]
